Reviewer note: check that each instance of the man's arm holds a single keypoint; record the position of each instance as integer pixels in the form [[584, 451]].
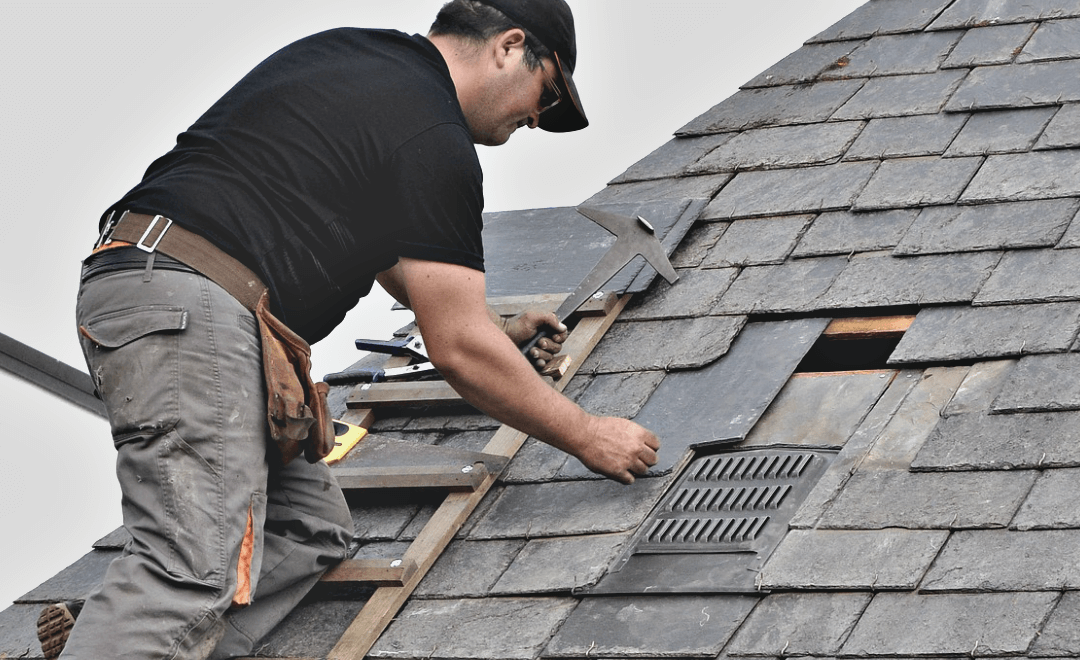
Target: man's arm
[[481, 362]]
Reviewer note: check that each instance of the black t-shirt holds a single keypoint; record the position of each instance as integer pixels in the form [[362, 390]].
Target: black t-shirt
[[334, 157]]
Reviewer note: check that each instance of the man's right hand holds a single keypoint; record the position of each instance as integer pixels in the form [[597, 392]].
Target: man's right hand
[[618, 448]]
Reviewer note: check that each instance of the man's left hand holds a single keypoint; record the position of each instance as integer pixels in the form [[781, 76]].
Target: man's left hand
[[524, 327]]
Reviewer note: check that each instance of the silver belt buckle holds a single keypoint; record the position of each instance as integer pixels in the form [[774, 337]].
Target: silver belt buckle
[[150, 228]]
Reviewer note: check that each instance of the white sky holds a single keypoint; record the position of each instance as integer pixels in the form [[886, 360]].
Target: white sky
[[93, 91]]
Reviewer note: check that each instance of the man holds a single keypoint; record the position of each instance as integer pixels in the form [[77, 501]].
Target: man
[[344, 158]]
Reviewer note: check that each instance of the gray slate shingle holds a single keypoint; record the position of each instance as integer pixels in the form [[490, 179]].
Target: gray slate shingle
[[650, 626], [774, 106], [890, 55], [1033, 276], [845, 232], [1014, 177], [896, 137], [977, 441], [805, 64], [566, 564], [696, 292], [311, 629], [658, 345], [75, 581], [1018, 86], [485, 629], [949, 624], [982, 383], [18, 632], [1006, 560], [779, 192], [757, 241], [1054, 501], [946, 334], [1060, 635], [993, 44], [1042, 382], [790, 287], [971, 13], [877, 499], [1000, 131], [672, 158], [798, 624], [852, 559], [1063, 132], [898, 96], [907, 182], [943, 229], [694, 187], [883, 18], [620, 395], [468, 569], [1053, 40], [786, 146], [875, 280]]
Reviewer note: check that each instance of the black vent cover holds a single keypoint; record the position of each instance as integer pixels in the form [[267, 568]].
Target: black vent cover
[[734, 506]]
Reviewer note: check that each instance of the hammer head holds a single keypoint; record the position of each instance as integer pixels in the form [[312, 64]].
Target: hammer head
[[635, 236]]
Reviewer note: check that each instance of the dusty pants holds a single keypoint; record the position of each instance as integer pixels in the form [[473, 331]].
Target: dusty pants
[[214, 516]]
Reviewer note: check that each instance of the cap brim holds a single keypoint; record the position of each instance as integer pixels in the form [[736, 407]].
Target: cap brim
[[568, 115]]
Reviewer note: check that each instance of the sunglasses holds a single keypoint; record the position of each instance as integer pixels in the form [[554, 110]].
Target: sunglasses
[[550, 97]]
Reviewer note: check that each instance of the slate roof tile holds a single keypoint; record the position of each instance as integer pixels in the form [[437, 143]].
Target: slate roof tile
[[778, 192], [878, 499], [568, 508], [659, 345], [18, 632], [1060, 636], [1042, 382], [949, 624], [672, 158], [381, 516], [1006, 560], [948, 334], [786, 146], [620, 395], [854, 450], [696, 292], [844, 232], [798, 624], [906, 182], [722, 402], [535, 462], [468, 569], [757, 241], [944, 229], [876, 280], [1033, 276], [818, 410], [893, 137], [889, 55], [650, 626], [852, 559], [561, 564], [1013, 177], [1000, 131], [1018, 86], [483, 629], [114, 540], [774, 106], [1053, 40], [1063, 132], [806, 64], [1054, 501], [692, 187], [75, 581], [977, 441], [899, 442], [993, 44], [699, 240], [970, 13], [897, 96], [883, 18], [311, 630], [978, 389]]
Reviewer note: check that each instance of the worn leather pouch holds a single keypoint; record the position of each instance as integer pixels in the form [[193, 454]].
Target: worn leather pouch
[[297, 410]]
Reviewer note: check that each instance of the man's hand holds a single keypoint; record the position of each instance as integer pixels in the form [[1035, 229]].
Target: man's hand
[[619, 449], [524, 327]]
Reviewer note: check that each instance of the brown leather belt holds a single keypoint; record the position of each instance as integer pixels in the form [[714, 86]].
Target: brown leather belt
[[155, 232]]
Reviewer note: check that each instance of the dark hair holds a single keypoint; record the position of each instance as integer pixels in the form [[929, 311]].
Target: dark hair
[[477, 22]]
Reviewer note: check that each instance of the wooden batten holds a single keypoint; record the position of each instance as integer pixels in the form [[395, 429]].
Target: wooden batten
[[869, 327]]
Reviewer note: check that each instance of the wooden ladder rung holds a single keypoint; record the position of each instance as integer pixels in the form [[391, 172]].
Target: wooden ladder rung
[[380, 572]]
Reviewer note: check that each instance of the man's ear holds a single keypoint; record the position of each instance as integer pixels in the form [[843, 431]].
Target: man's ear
[[506, 43]]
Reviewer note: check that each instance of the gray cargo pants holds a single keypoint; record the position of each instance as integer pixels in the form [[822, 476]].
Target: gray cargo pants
[[178, 363]]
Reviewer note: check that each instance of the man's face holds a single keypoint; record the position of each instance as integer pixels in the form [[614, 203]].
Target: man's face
[[511, 101]]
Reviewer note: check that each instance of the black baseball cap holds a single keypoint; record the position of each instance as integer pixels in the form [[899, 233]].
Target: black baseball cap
[[551, 22]]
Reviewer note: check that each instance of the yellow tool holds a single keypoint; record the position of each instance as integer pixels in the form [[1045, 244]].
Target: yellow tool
[[345, 438]]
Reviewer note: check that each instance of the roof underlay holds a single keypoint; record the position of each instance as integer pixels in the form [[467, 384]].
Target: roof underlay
[[918, 157]]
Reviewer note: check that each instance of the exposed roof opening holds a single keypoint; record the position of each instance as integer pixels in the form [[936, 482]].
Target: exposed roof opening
[[856, 344]]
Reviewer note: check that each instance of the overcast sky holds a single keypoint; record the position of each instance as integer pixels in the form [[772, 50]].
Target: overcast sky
[[94, 91]]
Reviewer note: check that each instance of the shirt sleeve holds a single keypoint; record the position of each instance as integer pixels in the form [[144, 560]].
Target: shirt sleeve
[[439, 183]]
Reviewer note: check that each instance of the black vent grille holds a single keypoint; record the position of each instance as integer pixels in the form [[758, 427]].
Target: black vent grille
[[730, 502]]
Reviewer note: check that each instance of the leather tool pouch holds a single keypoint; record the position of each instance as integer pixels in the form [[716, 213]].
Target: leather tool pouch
[[298, 412]]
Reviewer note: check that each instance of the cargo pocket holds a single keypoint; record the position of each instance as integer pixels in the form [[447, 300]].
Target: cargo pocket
[[133, 356]]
